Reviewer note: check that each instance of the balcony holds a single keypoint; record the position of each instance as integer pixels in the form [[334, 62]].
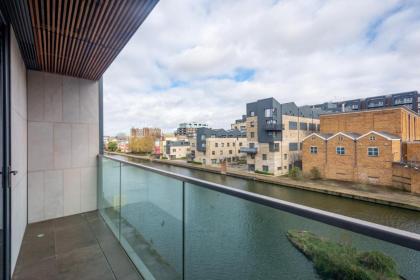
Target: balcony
[[248, 150], [273, 127], [177, 227]]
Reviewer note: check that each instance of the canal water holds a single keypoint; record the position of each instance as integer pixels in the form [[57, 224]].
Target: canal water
[[230, 238]]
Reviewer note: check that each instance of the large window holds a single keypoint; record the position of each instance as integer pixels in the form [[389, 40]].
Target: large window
[[314, 150], [373, 151], [293, 146], [340, 150], [293, 125], [376, 103], [303, 126], [403, 100], [312, 127], [264, 156], [268, 113], [265, 168]]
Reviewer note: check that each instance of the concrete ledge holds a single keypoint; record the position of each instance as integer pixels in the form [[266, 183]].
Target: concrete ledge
[[374, 194]]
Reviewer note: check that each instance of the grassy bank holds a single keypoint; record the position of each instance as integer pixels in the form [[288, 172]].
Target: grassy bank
[[340, 261]]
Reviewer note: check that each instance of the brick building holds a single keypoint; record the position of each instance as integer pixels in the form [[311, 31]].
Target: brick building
[[365, 147]]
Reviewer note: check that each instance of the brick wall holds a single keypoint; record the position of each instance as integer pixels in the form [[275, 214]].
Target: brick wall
[[376, 170], [397, 121], [317, 160], [341, 167]]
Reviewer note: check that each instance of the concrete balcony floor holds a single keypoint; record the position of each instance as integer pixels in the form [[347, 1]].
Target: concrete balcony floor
[[74, 247]]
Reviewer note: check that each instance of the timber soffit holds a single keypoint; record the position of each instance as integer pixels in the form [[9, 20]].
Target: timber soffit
[[77, 38]]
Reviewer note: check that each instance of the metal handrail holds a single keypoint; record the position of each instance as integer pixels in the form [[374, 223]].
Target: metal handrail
[[396, 236]]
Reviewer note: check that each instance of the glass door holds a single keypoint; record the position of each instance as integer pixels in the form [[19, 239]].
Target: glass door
[[5, 233]]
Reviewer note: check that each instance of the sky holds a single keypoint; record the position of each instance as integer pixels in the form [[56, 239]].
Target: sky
[[203, 60]]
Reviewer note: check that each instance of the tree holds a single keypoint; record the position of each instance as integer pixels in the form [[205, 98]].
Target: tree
[[112, 146], [141, 144]]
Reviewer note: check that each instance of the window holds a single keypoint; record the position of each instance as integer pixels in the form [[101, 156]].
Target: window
[[274, 147], [264, 156], [213, 152], [203, 137], [239, 151], [373, 151], [240, 144], [340, 138], [340, 150], [230, 152], [252, 156], [252, 113], [251, 124], [372, 138], [285, 167], [314, 150], [233, 144], [252, 145], [303, 126], [279, 168], [174, 150], [268, 113], [376, 103], [228, 144], [293, 125], [312, 127], [221, 153], [216, 145], [403, 100], [285, 156], [265, 168], [252, 134], [214, 161], [223, 144], [293, 146]]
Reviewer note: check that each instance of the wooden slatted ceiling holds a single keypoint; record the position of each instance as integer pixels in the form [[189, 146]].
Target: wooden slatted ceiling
[[77, 38]]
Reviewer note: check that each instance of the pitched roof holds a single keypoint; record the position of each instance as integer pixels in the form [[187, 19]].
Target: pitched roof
[[384, 134], [323, 136], [351, 135]]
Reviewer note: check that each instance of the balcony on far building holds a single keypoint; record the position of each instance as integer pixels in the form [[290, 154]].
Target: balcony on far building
[[248, 150], [273, 127]]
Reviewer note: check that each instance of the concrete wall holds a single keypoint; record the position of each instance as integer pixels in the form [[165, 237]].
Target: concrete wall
[[63, 142], [18, 147]]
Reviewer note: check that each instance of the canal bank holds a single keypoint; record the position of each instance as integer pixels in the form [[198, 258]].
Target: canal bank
[[374, 194]]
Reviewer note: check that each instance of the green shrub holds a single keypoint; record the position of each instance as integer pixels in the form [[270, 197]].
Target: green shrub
[[164, 158], [315, 173], [340, 261], [195, 162], [295, 172]]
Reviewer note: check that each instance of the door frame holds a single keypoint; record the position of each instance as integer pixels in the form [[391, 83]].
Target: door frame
[[5, 104]]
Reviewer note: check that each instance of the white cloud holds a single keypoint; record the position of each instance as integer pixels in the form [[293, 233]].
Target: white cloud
[[179, 65]]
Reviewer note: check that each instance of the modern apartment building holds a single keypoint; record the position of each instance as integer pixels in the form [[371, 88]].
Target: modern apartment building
[[176, 149], [213, 146], [240, 124], [189, 129], [146, 131], [274, 133], [410, 100], [365, 146]]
